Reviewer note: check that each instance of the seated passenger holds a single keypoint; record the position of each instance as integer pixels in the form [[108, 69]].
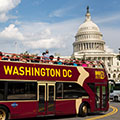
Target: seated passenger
[[58, 61], [75, 63], [37, 59], [46, 55], [71, 62], [84, 64], [43, 56], [51, 57]]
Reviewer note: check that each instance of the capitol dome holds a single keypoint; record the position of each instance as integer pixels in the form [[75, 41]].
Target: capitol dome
[[88, 37], [88, 26]]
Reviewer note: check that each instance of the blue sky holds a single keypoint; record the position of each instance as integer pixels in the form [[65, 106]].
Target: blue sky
[[37, 25]]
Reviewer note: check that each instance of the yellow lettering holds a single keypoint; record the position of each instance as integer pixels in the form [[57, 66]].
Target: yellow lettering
[[32, 71], [52, 72], [57, 72], [21, 69], [15, 71], [27, 71], [48, 70], [102, 75], [42, 72], [69, 73], [37, 71], [8, 70], [99, 75], [64, 73]]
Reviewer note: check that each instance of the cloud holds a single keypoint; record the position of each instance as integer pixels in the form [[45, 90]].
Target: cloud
[[3, 17], [108, 50], [57, 37], [42, 39], [5, 7], [12, 32], [43, 43], [32, 36], [11, 37]]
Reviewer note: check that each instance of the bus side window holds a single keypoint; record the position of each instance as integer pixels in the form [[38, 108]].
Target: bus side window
[[73, 90], [59, 90], [2, 87], [22, 91], [69, 91]]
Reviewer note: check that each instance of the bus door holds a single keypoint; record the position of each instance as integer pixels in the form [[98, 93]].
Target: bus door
[[50, 99], [101, 97], [42, 99], [46, 99]]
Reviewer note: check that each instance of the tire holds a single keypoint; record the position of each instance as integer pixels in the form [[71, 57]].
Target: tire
[[83, 110], [3, 113]]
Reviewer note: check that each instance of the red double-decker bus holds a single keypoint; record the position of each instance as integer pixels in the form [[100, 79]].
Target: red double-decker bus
[[33, 90]]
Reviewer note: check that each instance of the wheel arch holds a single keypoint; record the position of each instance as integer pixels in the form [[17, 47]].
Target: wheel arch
[[88, 105], [80, 108], [6, 109]]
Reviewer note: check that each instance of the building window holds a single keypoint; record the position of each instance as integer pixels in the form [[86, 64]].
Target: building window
[[109, 76], [119, 76], [114, 75]]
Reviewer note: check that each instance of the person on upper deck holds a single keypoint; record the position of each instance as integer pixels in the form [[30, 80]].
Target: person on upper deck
[[84, 64], [46, 56], [59, 61], [51, 57]]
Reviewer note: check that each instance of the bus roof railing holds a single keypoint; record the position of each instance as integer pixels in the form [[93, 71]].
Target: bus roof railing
[[51, 59]]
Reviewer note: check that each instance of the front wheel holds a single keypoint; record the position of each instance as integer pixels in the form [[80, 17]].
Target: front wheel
[[83, 110], [3, 113]]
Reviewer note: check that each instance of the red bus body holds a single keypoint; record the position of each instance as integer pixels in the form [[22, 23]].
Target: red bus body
[[93, 80]]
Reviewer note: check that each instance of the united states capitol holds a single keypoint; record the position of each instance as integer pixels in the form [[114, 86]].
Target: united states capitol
[[89, 44]]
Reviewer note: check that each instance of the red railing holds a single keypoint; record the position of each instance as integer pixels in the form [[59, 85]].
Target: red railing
[[51, 60]]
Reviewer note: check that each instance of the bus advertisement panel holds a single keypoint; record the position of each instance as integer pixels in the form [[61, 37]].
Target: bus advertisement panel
[[32, 90]]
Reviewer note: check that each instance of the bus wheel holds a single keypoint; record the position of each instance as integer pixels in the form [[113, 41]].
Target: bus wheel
[[83, 110], [3, 113]]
